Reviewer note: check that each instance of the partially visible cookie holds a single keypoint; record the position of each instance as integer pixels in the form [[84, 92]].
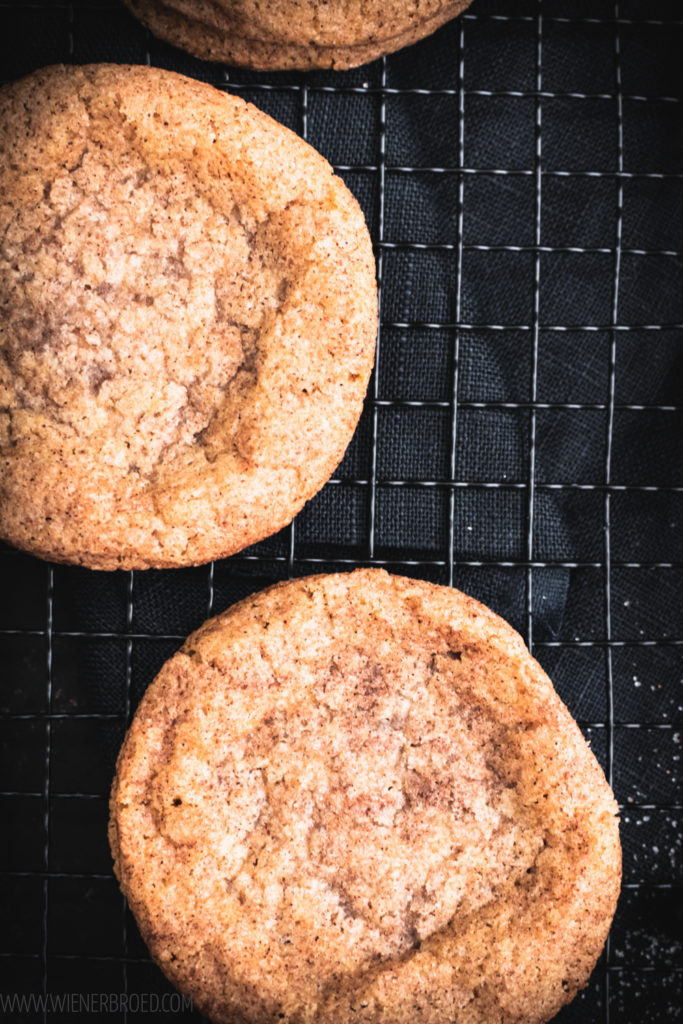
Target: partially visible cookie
[[283, 34], [358, 797], [189, 316]]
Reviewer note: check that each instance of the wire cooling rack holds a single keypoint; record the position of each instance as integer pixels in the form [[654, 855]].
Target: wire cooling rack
[[521, 175]]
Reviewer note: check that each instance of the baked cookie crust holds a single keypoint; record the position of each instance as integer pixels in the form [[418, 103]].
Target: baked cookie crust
[[189, 316], [358, 797], [291, 34]]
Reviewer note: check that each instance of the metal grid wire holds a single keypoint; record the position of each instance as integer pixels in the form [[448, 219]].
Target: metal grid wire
[[81, 647]]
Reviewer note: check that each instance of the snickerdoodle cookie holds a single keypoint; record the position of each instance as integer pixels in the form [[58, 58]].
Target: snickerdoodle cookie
[[189, 315], [294, 33], [358, 797]]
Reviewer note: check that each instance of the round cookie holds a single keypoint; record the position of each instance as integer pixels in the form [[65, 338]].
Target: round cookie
[[189, 317], [286, 34], [358, 797]]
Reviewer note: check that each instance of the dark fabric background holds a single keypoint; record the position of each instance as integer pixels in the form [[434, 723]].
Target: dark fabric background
[[437, 481]]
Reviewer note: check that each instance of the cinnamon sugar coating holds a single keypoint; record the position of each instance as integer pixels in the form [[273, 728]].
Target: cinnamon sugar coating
[[305, 34], [358, 797], [189, 311]]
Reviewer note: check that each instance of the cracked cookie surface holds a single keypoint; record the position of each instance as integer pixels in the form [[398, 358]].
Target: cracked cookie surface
[[358, 795], [279, 34], [189, 313]]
